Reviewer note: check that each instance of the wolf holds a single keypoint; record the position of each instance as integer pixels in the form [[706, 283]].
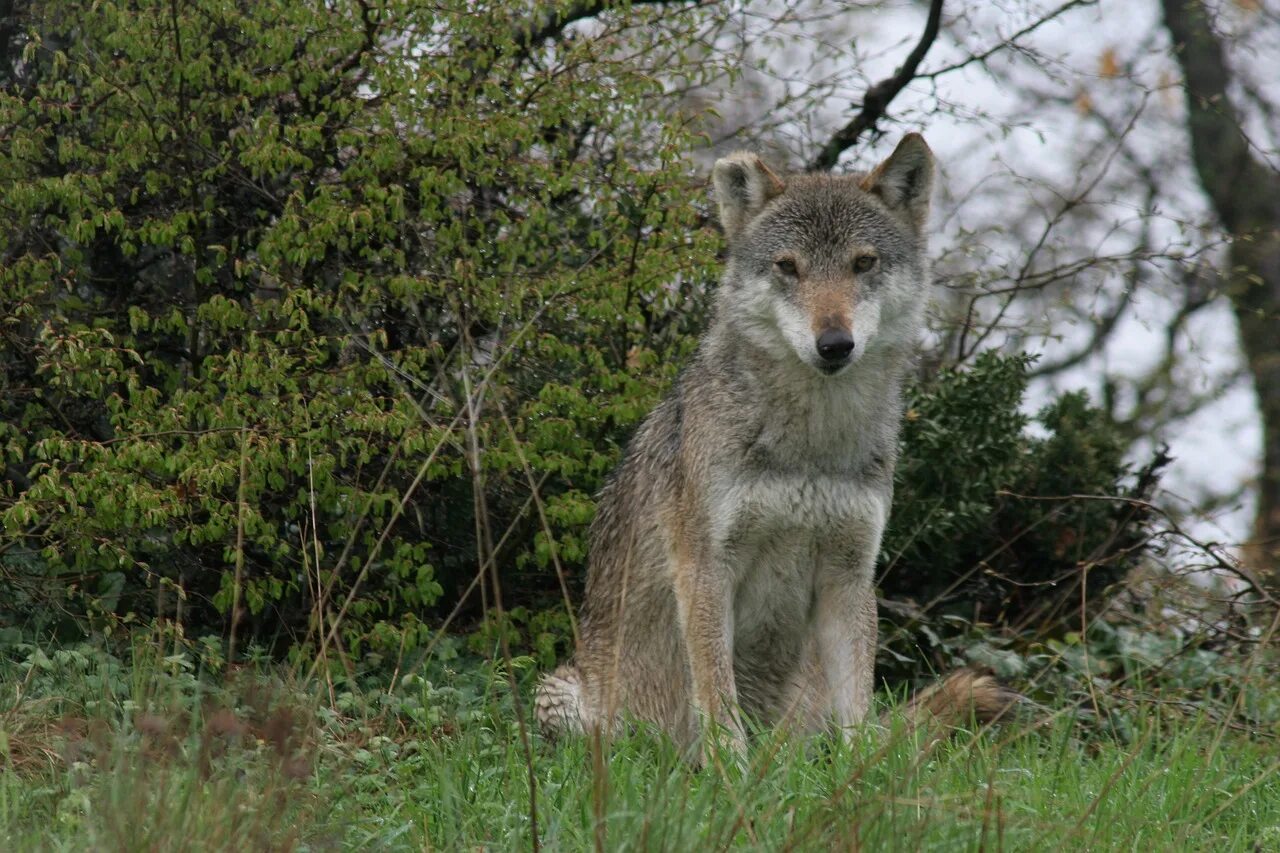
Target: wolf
[[731, 563]]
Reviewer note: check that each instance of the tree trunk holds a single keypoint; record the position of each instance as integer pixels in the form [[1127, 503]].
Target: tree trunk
[[1245, 194]]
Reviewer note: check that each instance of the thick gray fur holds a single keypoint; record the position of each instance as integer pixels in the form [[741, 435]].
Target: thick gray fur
[[732, 554]]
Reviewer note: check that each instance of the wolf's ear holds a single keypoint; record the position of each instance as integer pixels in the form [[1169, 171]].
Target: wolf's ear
[[744, 185], [905, 180]]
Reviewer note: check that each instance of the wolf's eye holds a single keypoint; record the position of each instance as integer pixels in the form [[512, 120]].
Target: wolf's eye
[[864, 263], [786, 266]]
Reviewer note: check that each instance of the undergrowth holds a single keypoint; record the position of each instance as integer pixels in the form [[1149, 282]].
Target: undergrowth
[[159, 746]]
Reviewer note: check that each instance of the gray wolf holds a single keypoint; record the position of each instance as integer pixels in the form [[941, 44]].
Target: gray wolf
[[731, 558]]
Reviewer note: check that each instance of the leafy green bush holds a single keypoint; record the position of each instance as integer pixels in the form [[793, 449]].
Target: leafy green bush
[[280, 277]]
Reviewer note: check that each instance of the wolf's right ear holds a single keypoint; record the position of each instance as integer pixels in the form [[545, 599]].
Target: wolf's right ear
[[905, 181], [744, 185]]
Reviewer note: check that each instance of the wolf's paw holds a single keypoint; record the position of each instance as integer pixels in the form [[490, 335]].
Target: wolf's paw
[[557, 705]]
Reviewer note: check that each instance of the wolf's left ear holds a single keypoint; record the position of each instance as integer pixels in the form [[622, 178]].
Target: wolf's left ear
[[905, 180], [744, 185]]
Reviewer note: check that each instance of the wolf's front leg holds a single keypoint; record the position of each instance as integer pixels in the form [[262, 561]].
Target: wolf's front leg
[[705, 601], [845, 625]]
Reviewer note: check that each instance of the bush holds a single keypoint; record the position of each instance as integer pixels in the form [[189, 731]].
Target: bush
[[280, 277], [1004, 519]]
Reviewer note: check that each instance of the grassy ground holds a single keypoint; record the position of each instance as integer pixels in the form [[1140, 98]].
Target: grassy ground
[[146, 752]]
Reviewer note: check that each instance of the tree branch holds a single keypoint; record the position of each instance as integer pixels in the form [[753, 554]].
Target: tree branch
[[1006, 42], [879, 96], [529, 34]]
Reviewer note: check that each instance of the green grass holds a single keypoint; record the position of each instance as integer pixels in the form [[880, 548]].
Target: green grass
[[147, 752]]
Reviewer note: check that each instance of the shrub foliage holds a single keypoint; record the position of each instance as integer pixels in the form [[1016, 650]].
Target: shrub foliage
[[274, 268], [1004, 519]]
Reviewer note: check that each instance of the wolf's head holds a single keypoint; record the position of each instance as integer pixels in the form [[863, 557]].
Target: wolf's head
[[826, 267]]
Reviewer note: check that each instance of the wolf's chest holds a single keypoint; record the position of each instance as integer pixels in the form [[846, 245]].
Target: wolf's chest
[[772, 505], [779, 532]]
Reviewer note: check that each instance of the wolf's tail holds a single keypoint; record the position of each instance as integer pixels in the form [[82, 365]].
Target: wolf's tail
[[966, 697], [558, 702]]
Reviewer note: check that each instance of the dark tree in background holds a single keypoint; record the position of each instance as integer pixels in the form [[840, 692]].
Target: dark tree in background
[[1245, 193]]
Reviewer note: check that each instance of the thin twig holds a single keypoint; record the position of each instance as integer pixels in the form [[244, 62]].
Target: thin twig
[[878, 97], [239, 576]]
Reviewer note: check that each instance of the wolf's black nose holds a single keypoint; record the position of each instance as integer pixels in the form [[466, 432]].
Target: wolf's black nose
[[834, 345]]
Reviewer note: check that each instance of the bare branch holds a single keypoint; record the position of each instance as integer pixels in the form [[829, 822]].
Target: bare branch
[[879, 97], [550, 24], [1006, 43]]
